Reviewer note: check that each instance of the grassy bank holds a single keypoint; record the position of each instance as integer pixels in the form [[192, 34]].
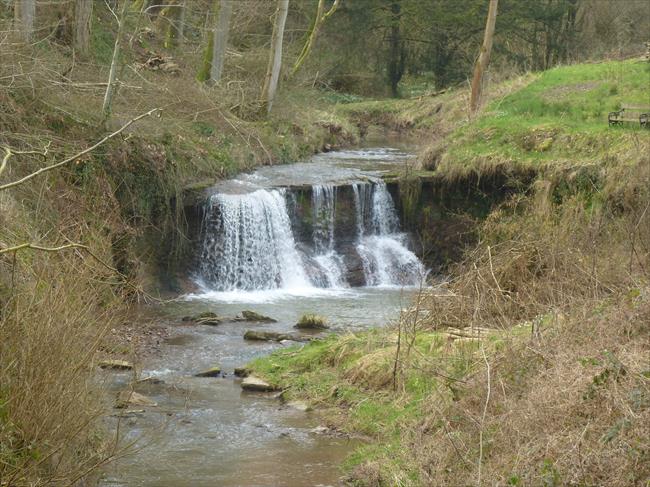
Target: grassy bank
[[530, 366]]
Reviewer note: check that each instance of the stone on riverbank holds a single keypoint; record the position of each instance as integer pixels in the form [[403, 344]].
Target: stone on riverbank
[[115, 364], [255, 317], [206, 318], [312, 322], [255, 384], [241, 372], [132, 398], [211, 372]]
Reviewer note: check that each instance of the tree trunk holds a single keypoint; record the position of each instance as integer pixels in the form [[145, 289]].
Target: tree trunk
[[181, 23], [112, 76], [220, 40], [275, 57], [24, 14], [396, 57], [484, 57], [171, 15], [82, 22]]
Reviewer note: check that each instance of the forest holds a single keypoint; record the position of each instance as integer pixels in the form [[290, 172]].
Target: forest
[[324, 242]]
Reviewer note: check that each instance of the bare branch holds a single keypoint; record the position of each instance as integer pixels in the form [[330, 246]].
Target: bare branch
[[78, 155], [5, 159], [58, 249]]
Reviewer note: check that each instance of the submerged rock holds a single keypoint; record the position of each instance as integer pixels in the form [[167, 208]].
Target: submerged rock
[[206, 318], [255, 384], [211, 372], [299, 405], [255, 317], [266, 336], [273, 336], [132, 398], [151, 380], [115, 364]]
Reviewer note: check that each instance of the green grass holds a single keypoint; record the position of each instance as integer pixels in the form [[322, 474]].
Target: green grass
[[347, 374], [560, 116]]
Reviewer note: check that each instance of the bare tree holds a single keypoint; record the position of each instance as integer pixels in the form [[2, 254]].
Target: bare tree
[[112, 75], [275, 57], [319, 20], [24, 14], [82, 22], [220, 42], [484, 57]]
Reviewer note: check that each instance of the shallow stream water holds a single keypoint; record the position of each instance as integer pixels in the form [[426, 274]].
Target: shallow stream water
[[207, 431]]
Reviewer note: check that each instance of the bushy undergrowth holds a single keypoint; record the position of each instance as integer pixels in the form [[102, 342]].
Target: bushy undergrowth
[[55, 312]]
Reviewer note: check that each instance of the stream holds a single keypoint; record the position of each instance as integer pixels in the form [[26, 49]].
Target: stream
[[317, 237]]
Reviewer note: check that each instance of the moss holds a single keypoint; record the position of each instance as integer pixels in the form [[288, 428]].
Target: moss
[[410, 190], [311, 321], [206, 64]]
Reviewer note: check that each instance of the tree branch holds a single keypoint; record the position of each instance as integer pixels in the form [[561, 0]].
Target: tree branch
[[78, 155], [57, 249], [5, 159]]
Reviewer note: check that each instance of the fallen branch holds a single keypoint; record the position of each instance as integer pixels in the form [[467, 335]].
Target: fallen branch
[[78, 155]]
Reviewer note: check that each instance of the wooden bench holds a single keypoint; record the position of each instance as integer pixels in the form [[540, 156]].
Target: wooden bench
[[631, 113]]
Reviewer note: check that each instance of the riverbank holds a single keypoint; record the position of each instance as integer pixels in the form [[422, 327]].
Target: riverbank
[[530, 366]]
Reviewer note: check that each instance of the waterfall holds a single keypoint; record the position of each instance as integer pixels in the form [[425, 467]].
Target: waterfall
[[248, 243], [382, 247], [323, 217]]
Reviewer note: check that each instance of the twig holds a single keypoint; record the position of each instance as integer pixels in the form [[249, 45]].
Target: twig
[[5, 159], [487, 401], [78, 155], [492, 270]]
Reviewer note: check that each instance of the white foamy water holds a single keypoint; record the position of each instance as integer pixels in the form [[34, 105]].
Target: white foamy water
[[249, 245], [250, 251]]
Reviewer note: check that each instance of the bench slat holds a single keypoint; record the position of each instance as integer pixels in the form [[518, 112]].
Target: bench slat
[[626, 119], [635, 107]]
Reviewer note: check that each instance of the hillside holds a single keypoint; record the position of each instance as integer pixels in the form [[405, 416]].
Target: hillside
[[529, 366]]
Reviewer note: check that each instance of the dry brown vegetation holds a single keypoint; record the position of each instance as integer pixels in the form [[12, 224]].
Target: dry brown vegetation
[[56, 309], [570, 406], [529, 366], [566, 399]]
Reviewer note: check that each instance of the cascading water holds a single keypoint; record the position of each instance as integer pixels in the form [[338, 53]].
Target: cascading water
[[249, 243], [323, 217], [382, 247]]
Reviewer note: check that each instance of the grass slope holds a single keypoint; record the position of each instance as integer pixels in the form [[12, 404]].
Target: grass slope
[[560, 118]]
